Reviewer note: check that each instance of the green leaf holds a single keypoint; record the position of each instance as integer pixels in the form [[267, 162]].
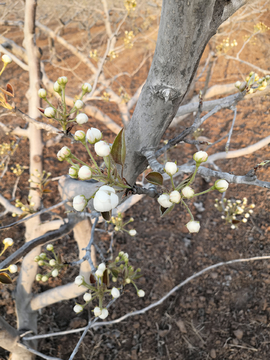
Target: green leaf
[[183, 183], [118, 151], [165, 211], [155, 178], [5, 279], [106, 215]]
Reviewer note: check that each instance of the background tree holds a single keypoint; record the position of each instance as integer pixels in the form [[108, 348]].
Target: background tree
[[185, 29]]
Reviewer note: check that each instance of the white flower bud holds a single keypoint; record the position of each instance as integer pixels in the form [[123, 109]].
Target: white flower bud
[[115, 293], [49, 247], [44, 278], [52, 262], [99, 273], [93, 135], [85, 173], [54, 272], [41, 263], [200, 156], [78, 308], [78, 104], [87, 297], [65, 152], [79, 135], [244, 220], [49, 112], [125, 257], [59, 156], [102, 267], [42, 93], [56, 87], [233, 227], [104, 314], [36, 258], [43, 256], [86, 87], [6, 59], [140, 293], [97, 311], [105, 199], [12, 268], [193, 226], [237, 84], [188, 192], [171, 168], [38, 277], [73, 171], [247, 215], [164, 200], [79, 280], [175, 197], [79, 202], [81, 118], [221, 185], [8, 241], [102, 148], [132, 232], [128, 281], [62, 80]]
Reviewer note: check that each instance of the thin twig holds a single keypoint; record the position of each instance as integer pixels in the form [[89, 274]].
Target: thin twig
[[231, 129], [36, 214], [153, 305], [33, 351], [41, 240]]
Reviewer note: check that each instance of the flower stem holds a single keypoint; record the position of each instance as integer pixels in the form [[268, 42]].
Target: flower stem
[[204, 192], [194, 174], [185, 205], [172, 182], [91, 156]]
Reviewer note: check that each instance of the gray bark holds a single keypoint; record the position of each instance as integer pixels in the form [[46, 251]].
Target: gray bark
[[185, 29]]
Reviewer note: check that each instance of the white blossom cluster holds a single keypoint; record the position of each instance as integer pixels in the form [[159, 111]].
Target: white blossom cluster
[[181, 193]]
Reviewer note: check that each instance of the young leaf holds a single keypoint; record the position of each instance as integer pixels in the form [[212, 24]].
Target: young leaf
[[106, 215], [118, 150], [165, 211], [155, 178], [5, 279]]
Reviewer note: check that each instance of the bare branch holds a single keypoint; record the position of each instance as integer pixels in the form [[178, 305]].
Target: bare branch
[[240, 152], [34, 215], [248, 179], [38, 125], [67, 45], [94, 324], [14, 58], [41, 240], [9, 207]]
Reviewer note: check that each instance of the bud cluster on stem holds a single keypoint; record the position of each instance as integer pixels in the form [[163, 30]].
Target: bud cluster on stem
[[184, 191], [120, 270]]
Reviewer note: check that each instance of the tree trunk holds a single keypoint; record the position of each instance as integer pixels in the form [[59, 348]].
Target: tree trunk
[[186, 26]]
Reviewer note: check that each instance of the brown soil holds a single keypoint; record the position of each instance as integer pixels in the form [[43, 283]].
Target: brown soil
[[224, 314]]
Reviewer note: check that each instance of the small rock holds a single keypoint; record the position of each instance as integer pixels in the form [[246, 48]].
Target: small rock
[[239, 334], [77, 323], [136, 325], [214, 275], [213, 354], [182, 326]]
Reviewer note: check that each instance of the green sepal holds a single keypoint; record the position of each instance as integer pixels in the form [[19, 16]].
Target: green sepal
[[106, 215], [165, 211]]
